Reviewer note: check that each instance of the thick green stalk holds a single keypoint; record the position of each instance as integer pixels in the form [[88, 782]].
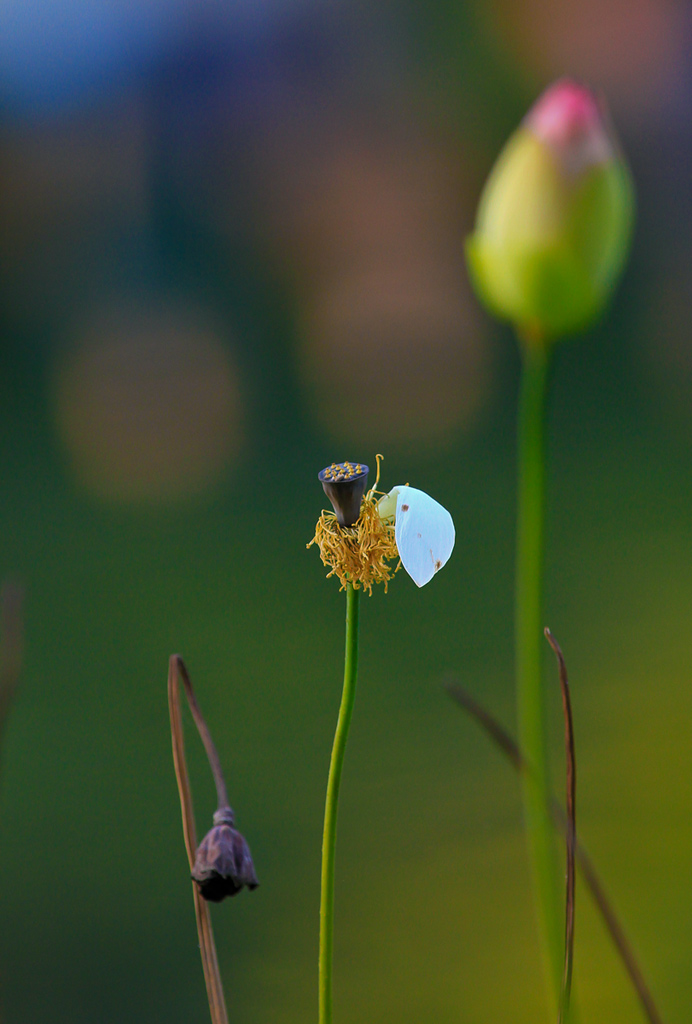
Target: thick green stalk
[[529, 651], [331, 807]]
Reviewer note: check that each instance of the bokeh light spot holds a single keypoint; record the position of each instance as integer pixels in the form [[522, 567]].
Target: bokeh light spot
[[394, 355], [632, 49], [148, 405]]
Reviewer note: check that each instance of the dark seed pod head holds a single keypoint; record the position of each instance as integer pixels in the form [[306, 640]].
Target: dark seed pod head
[[344, 484], [223, 864]]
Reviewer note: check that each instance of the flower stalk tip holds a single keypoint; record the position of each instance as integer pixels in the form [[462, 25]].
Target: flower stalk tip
[[358, 544]]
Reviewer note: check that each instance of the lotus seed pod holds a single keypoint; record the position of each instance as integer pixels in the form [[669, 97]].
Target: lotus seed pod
[[344, 484]]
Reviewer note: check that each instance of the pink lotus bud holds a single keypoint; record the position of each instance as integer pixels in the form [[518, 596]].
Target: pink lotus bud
[[554, 221], [568, 119]]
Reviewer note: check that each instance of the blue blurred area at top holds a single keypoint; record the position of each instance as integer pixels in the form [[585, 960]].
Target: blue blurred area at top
[[57, 54]]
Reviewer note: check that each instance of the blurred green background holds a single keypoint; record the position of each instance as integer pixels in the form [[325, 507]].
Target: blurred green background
[[232, 252]]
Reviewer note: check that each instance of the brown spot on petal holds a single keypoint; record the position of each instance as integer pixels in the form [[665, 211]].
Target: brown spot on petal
[[438, 565], [404, 508]]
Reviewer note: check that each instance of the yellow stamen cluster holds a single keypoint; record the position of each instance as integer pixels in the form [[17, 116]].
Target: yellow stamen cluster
[[358, 554]]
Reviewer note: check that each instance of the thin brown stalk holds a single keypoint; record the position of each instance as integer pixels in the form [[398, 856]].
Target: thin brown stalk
[[210, 964], [571, 829], [511, 749], [205, 735], [11, 645]]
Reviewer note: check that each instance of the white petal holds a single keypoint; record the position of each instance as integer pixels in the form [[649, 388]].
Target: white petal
[[424, 533]]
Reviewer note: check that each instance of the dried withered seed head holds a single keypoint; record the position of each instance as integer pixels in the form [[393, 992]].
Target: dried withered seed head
[[223, 864], [344, 484]]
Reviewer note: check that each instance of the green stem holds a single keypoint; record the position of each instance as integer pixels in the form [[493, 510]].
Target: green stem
[[331, 807], [529, 650]]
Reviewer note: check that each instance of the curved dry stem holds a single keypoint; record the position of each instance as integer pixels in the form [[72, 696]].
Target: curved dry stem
[[571, 829], [205, 736], [210, 964], [502, 738]]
